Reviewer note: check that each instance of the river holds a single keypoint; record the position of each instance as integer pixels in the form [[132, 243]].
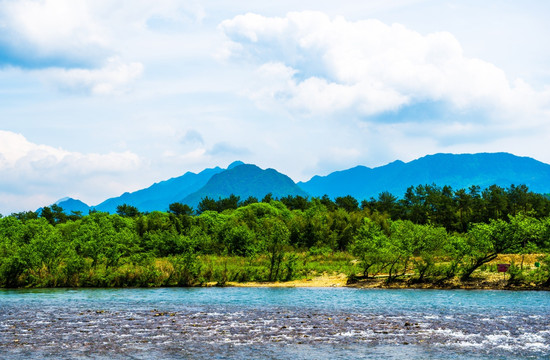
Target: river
[[273, 323]]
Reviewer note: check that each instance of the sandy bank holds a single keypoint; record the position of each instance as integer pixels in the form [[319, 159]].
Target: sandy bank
[[318, 281], [483, 281]]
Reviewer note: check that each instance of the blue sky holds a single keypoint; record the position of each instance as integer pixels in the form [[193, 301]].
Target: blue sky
[[102, 97]]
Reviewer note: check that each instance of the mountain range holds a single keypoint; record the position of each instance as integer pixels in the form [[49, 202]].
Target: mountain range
[[244, 180]]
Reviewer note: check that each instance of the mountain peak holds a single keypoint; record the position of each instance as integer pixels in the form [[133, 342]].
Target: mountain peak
[[69, 205], [246, 180], [235, 164], [66, 198], [456, 170]]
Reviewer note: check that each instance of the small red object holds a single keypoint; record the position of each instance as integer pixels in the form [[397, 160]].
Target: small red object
[[503, 267]]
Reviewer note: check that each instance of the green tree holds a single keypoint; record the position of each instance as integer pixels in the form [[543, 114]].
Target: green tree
[[127, 210], [427, 245], [484, 242], [276, 238], [348, 203], [180, 209], [387, 203], [372, 247]]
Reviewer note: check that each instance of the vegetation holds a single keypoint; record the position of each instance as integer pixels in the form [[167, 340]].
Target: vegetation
[[431, 235]]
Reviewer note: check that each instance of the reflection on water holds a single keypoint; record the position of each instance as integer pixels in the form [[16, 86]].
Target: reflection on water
[[273, 324]]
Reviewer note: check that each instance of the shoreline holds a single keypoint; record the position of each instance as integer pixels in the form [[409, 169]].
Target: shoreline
[[341, 280], [483, 282]]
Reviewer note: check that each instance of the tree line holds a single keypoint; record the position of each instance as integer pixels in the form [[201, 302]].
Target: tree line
[[432, 232]]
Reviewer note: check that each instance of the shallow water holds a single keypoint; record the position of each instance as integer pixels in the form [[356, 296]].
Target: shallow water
[[273, 323]]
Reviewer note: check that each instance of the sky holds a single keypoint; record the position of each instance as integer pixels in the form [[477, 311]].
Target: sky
[[100, 97]]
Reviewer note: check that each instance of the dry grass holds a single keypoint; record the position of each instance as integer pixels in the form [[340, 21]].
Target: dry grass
[[528, 260]]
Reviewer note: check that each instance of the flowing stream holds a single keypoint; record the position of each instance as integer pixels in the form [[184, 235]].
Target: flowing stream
[[273, 323]]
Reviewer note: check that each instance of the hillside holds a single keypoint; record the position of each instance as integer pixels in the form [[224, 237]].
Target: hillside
[[72, 205], [457, 170], [158, 196], [244, 181]]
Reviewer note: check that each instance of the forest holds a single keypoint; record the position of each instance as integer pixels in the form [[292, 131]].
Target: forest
[[431, 235]]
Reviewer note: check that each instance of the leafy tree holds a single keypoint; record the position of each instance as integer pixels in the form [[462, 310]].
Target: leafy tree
[[427, 245], [343, 227], [348, 203], [496, 202], [25, 215], [239, 239], [207, 204], [372, 247], [48, 214], [295, 202], [249, 200], [180, 209], [275, 237], [75, 215], [127, 211], [518, 199], [328, 203], [387, 203], [414, 202], [267, 198], [230, 203], [401, 248], [464, 203], [484, 242]]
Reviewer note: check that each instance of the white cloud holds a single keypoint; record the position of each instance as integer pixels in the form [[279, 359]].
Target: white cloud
[[30, 169], [81, 33], [311, 63], [113, 78], [82, 45], [49, 32], [17, 154]]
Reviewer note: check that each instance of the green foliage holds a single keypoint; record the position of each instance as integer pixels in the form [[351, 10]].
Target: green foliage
[[127, 210], [275, 237], [432, 234], [372, 247]]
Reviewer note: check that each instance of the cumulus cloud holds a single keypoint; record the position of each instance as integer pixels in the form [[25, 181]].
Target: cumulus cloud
[[50, 33], [24, 163], [79, 45], [112, 78], [78, 33], [311, 63]]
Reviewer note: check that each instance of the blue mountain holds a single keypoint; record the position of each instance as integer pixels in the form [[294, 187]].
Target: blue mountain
[[69, 205], [159, 195], [245, 180], [456, 170]]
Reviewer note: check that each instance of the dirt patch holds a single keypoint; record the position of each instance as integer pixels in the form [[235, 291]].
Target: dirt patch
[[481, 281], [318, 281]]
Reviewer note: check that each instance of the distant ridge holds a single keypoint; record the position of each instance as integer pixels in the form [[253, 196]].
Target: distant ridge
[[459, 171], [245, 180], [456, 170], [69, 205], [158, 196]]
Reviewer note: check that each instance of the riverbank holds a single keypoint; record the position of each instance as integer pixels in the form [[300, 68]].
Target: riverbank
[[478, 282], [339, 280], [489, 282]]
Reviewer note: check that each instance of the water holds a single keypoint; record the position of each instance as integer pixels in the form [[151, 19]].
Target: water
[[273, 323]]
